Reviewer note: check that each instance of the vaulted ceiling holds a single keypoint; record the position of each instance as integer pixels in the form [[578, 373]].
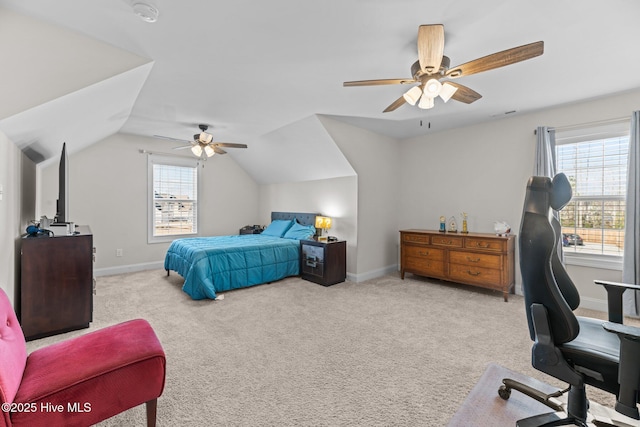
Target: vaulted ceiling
[[258, 71]]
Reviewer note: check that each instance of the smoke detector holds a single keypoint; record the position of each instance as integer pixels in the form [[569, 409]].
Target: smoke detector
[[146, 12]]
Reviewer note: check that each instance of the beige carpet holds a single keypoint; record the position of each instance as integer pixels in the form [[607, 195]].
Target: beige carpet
[[385, 352]]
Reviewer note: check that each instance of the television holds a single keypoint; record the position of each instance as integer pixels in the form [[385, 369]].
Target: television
[[62, 204]]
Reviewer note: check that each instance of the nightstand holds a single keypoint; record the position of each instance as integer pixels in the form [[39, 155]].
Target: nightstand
[[256, 229], [324, 263]]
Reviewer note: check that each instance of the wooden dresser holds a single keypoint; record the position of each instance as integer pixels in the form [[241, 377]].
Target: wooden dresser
[[484, 260], [56, 285]]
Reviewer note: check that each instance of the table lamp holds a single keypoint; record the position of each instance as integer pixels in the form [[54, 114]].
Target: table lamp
[[323, 223]]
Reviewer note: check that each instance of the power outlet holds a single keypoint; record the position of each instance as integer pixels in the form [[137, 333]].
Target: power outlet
[[118, 252]]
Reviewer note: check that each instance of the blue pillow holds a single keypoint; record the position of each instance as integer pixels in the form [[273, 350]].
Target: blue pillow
[[300, 232], [278, 227]]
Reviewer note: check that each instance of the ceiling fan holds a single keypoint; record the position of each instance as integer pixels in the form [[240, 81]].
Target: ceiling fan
[[203, 145], [432, 66]]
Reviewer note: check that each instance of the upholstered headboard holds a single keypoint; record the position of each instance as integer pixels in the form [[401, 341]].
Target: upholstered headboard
[[303, 218]]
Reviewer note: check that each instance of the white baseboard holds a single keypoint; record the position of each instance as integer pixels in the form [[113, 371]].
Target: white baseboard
[[110, 271], [594, 304], [361, 277]]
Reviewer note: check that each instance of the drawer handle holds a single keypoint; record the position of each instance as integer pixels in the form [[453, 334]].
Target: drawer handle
[[423, 253], [482, 245], [473, 259], [472, 273]]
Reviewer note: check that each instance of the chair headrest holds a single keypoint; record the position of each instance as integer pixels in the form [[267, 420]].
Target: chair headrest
[[560, 192]]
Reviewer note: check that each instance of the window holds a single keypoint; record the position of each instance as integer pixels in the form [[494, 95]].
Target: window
[[595, 161], [173, 198]]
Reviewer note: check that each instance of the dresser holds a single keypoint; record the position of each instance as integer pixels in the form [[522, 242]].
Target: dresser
[[477, 259], [56, 283]]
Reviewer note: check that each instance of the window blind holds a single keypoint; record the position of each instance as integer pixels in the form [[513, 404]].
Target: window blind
[[595, 162]]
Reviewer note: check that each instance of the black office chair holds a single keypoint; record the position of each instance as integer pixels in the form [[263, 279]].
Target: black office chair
[[576, 350]]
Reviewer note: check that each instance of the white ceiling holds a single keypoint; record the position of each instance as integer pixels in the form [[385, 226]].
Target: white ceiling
[[251, 68]]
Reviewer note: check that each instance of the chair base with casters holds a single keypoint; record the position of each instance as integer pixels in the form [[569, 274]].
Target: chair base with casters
[[79, 381], [575, 411]]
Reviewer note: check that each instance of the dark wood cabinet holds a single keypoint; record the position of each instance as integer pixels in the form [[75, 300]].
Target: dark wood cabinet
[[324, 263], [56, 284]]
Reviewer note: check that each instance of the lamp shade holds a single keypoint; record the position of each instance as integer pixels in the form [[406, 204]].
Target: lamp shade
[[426, 103], [197, 150], [323, 222], [412, 95], [209, 150], [447, 91], [432, 88], [205, 137]]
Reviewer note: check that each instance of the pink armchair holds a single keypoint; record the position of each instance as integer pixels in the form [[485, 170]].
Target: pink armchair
[[80, 381]]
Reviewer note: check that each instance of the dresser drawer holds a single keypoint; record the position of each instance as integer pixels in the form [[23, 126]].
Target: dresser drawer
[[418, 238], [449, 241], [484, 244], [425, 266], [424, 252], [475, 259], [488, 277]]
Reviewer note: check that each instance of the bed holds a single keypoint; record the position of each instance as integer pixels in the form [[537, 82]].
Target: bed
[[215, 264]]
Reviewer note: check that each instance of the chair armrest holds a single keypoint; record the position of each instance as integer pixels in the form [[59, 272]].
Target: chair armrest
[[629, 368], [630, 332], [614, 297]]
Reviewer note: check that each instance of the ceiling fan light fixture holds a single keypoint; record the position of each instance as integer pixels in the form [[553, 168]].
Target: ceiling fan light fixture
[[205, 138], [447, 91], [426, 103], [209, 151], [197, 150], [432, 88], [412, 95]]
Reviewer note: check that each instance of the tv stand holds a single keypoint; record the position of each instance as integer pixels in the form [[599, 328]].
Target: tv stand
[[56, 285]]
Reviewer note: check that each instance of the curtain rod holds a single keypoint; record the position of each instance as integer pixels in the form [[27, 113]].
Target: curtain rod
[[588, 124], [143, 151]]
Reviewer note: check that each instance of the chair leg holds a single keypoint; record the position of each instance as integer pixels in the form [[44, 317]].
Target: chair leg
[[152, 406]]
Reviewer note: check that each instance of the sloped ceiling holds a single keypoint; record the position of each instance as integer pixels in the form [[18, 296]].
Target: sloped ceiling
[[301, 151], [58, 85], [252, 68]]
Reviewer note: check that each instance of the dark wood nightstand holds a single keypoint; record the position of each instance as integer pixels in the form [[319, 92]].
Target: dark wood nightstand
[[324, 263]]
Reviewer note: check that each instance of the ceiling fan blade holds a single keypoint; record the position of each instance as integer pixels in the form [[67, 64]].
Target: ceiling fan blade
[[218, 150], [169, 138], [395, 104], [430, 47], [464, 94], [229, 145], [379, 82], [497, 60], [182, 147]]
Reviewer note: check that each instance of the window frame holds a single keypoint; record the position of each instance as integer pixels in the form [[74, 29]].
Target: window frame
[[177, 161], [586, 133]]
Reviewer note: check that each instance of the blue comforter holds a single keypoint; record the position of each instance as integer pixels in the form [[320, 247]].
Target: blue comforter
[[214, 264]]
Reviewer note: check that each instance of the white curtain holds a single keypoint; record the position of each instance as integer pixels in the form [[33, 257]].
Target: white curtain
[[631, 260], [545, 152]]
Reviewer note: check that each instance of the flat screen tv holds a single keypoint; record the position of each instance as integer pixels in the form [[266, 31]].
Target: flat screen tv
[[62, 204]]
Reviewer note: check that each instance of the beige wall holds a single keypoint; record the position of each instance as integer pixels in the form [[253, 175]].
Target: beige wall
[[375, 158], [336, 197], [108, 186], [17, 207]]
